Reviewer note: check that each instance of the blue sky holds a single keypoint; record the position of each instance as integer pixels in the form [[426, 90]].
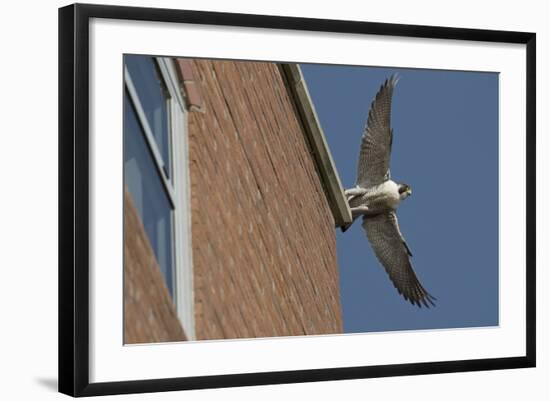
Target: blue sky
[[446, 148]]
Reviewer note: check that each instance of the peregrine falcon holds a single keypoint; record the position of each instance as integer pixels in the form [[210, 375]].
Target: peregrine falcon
[[376, 197]]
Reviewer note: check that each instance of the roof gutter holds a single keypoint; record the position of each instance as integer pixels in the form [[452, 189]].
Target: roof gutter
[[317, 143]]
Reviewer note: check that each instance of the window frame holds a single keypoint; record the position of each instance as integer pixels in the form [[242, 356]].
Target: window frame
[[177, 185]]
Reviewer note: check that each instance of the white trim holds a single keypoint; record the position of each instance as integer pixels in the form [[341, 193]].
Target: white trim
[[184, 293], [170, 75]]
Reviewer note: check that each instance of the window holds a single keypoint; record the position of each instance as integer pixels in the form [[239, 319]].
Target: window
[[148, 193], [155, 102], [156, 171]]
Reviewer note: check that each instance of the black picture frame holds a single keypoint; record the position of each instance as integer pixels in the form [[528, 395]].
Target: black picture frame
[[74, 198]]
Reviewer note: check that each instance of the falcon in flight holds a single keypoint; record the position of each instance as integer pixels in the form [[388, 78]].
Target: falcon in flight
[[376, 197]]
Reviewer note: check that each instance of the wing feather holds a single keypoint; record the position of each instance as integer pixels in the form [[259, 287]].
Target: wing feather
[[374, 156], [394, 254]]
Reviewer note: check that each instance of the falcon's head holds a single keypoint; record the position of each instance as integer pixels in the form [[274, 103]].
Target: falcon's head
[[404, 191]]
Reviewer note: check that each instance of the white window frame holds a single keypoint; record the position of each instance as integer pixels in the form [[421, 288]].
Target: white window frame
[[178, 187]]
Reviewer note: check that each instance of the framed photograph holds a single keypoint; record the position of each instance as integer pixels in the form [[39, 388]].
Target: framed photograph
[[241, 197]]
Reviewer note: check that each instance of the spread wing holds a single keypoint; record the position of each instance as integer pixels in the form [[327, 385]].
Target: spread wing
[[394, 254], [373, 167]]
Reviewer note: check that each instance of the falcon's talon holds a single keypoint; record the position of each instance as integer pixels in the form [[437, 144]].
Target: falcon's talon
[[355, 191], [359, 210]]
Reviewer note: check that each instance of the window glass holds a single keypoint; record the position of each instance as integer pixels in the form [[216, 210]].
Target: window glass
[[144, 183], [154, 98]]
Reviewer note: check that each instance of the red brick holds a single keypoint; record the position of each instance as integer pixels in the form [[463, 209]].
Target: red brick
[[264, 257], [149, 313]]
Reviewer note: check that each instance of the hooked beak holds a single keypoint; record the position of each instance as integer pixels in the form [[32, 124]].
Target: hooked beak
[[409, 191]]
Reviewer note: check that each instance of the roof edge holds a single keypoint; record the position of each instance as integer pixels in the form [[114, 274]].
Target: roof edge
[[315, 138]]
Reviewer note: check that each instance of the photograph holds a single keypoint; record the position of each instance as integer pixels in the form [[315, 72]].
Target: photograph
[[255, 199], [274, 199]]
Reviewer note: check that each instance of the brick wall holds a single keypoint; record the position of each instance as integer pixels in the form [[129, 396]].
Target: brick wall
[[149, 313], [264, 250]]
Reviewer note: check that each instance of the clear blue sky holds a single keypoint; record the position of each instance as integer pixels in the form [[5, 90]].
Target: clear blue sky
[[446, 148]]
